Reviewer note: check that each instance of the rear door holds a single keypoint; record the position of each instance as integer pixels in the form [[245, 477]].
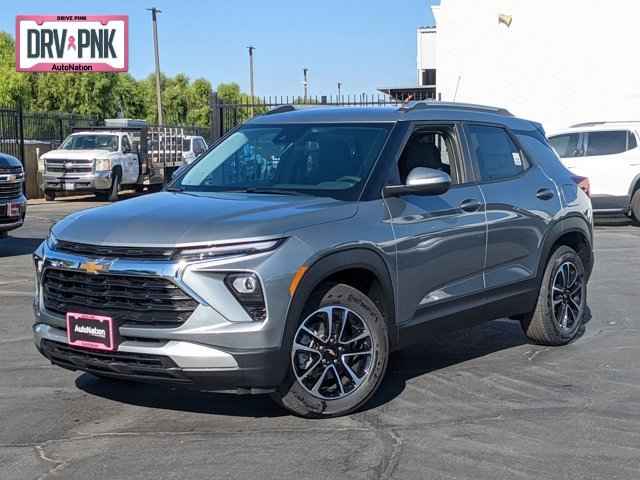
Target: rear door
[[521, 201]]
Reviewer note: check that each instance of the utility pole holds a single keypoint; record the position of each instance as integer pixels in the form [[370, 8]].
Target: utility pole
[[306, 84], [154, 17], [339, 88], [251, 49]]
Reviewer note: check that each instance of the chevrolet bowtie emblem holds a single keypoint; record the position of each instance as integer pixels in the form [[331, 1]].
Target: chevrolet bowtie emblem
[[95, 267]]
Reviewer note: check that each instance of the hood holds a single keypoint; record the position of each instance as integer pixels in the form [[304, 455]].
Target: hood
[[76, 154], [169, 219], [7, 161]]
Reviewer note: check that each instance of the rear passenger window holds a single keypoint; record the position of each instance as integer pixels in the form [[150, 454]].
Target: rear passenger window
[[606, 143], [497, 156], [631, 141], [566, 146]]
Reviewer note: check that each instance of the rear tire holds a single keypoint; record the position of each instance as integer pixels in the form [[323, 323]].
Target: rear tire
[[338, 355], [559, 314], [49, 195], [113, 194], [635, 206]]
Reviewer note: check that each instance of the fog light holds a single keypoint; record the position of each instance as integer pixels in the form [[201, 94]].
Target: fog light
[[245, 284], [246, 288]]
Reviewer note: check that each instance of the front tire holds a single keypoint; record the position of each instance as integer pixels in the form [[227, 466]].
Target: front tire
[[49, 195], [635, 206], [338, 355], [559, 314]]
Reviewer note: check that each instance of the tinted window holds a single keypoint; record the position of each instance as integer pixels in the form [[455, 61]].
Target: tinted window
[[606, 143], [632, 141], [323, 160], [566, 146], [126, 146], [497, 155]]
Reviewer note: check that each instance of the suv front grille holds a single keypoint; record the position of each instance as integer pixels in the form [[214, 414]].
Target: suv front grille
[[10, 170], [145, 253], [9, 191], [128, 299]]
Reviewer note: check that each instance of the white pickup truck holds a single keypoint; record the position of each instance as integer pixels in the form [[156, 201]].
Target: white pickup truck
[[103, 160]]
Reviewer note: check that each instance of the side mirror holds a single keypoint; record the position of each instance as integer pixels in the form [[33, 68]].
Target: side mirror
[[421, 181]]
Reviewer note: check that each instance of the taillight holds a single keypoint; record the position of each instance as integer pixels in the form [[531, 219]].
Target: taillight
[[583, 184]]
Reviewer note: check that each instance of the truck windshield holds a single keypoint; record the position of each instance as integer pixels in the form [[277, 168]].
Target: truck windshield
[[323, 160], [91, 142]]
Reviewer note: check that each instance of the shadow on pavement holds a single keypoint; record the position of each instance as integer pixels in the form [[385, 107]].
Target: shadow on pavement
[[15, 246], [435, 354]]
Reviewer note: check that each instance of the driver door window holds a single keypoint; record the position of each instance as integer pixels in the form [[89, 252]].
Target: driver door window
[[430, 148]]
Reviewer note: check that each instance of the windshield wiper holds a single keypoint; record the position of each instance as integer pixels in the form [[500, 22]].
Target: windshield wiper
[[274, 191], [174, 189]]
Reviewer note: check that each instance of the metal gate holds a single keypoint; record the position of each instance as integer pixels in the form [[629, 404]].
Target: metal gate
[[225, 116]]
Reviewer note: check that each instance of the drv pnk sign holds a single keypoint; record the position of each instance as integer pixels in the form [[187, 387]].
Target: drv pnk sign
[[72, 43]]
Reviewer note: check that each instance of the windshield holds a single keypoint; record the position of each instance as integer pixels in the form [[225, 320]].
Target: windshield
[[186, 144], [91, 142], [323, 160]]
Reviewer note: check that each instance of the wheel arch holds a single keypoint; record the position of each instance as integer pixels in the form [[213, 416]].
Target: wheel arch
[[359, 267], [575, 232]]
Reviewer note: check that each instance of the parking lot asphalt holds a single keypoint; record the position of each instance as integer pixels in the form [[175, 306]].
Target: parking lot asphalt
[[478, 404]]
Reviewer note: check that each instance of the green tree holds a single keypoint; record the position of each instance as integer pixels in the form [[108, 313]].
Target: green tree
[[14, 86]]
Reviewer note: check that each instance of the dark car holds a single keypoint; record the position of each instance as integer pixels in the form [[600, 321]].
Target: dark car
[[13, 204], [303, 248]]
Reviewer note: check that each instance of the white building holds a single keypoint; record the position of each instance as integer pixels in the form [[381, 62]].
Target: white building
[[556, 61]]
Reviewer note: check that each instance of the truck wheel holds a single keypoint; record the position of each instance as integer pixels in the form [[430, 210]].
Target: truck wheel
[[559, 314], [49, 195], [338, 355], [635, 206], [115, 187]]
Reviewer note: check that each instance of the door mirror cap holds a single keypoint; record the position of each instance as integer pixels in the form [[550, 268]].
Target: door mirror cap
[[421, 181]]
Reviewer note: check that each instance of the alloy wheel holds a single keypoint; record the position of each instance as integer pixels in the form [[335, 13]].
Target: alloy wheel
[[567, 294], [333, 351]]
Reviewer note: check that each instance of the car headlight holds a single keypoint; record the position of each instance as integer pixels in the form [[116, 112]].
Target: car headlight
[[103, 164], [235, 249], [52, 240]]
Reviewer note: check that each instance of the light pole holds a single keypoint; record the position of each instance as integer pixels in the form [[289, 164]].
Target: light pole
[[154, 14], [251, 87], [339, 88], [306, 84]]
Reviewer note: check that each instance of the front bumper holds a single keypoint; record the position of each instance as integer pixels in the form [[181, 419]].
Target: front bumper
[[77, 183], [12, 222], [189, 364]]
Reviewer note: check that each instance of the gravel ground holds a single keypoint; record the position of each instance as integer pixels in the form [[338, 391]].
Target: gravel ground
[[478, 404]]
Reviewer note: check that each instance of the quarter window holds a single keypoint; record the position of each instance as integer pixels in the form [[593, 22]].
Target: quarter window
[[497, 156], [606, 143]]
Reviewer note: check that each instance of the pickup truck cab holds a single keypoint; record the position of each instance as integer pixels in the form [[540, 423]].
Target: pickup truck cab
[[100, 162], [607, 154], [192, 147]]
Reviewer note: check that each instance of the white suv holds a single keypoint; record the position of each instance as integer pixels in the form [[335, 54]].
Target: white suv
[[607, 154]]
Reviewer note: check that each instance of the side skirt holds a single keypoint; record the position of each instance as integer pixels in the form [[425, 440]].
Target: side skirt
[[473, 310]]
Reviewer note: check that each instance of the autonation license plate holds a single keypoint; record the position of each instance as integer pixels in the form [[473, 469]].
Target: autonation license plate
[[91, 331]]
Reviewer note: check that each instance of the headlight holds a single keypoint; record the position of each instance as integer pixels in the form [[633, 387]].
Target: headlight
[[52, 241], [246, 288], [103, 164], [250, 248]]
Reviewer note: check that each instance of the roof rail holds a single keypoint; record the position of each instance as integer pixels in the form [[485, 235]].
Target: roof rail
[[280, 109], [602, 122], [453, 105]]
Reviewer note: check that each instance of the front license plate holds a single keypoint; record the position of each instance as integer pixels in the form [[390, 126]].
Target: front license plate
[[69, 186], [91, 331]]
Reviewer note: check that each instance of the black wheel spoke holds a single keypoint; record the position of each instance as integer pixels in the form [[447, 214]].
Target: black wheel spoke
[[566, 295]]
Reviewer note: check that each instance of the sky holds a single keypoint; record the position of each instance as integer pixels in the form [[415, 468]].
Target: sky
[[364, 44]]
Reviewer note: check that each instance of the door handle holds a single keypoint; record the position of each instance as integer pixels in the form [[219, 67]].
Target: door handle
[[470, 205], [544, 194]]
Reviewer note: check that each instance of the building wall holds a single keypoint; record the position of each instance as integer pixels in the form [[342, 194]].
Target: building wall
[[560, 62]]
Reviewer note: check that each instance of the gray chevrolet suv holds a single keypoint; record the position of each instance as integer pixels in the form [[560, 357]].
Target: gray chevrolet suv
[[304, 247]]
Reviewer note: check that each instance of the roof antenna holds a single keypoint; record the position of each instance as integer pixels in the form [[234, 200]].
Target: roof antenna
[[455, 95]]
